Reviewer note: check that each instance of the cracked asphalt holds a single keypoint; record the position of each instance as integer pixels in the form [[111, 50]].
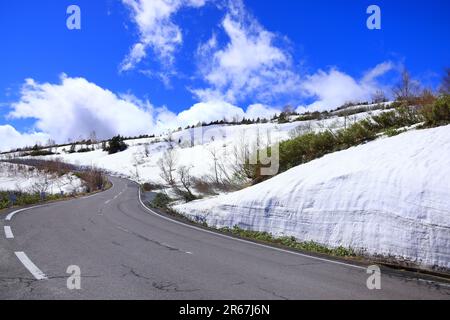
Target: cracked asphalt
[[126, 252]]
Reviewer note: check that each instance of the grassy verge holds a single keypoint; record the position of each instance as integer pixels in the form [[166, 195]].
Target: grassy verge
[[26, 199], [290, 242]]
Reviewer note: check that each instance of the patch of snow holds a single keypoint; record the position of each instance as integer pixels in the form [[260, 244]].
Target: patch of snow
[[14, 177]]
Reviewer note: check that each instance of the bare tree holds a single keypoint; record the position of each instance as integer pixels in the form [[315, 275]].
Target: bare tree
[[167, 165], [169, 139], [406, 90], [213, 153], [184, 174], [379, 97]]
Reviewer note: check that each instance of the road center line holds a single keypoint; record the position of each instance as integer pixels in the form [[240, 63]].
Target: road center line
[[8, 232], [35, 271]]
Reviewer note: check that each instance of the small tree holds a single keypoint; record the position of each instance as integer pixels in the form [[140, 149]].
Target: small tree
[[167, 165], [184, 174], [406, 90], [379, 97], [116, 144]]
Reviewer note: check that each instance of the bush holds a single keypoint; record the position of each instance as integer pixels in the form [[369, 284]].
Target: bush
[[161, 201], [311, 146], [147, 187], [94, 179], [23, 199], [438, 113], [392, 132], [115, 145], [84, 150], [39, 153]]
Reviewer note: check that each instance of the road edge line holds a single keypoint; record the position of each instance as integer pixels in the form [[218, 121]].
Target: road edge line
[[12, 214]]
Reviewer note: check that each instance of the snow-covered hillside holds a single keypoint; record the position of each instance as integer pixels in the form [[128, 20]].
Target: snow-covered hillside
[[194, 147], [389, 197], [14, 177]]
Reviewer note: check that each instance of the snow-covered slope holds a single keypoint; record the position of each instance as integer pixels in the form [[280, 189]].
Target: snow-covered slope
[[389, 197], [24, 178], [140, 161]]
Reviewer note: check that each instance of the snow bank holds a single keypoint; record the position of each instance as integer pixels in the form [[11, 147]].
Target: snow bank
[[389, 197], [24, 178]]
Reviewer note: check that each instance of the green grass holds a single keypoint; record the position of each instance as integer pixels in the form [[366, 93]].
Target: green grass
[[24, 199], [290, 242]]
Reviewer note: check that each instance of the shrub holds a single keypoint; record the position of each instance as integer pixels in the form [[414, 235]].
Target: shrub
[[392, 132], [311, 146], [94, 179], [438, 113], [147, 187], [39, 153], [305, 148], [84, 150], [161, 201], [115, 145], [23, 199]]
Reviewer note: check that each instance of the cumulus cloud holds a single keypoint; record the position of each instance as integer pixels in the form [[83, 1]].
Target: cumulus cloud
[[249, 65], [210, 111], [76, 107], [11, 138], [333, 88], [157, 31], [261, 111]]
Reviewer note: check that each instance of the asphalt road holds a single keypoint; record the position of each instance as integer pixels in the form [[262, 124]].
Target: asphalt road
[[126, 252]]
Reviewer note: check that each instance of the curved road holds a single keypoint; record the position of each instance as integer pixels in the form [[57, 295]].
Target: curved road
[[125, 251]]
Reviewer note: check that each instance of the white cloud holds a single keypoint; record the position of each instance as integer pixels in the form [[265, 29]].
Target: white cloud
[[156, 29], [76, 107], [210, 111], [11, 138], [249, 66], [256, 111], [334, 88], [378, 71]]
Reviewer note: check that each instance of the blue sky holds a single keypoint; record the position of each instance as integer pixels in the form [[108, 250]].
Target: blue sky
[[208, 58]]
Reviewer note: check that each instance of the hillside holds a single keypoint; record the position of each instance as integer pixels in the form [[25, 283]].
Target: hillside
[[194, 147], [389, 197]]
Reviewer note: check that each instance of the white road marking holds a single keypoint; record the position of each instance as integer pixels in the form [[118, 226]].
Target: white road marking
[[37, 274], [8, 232], [11, 215], [188, 252], [106, 202]]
